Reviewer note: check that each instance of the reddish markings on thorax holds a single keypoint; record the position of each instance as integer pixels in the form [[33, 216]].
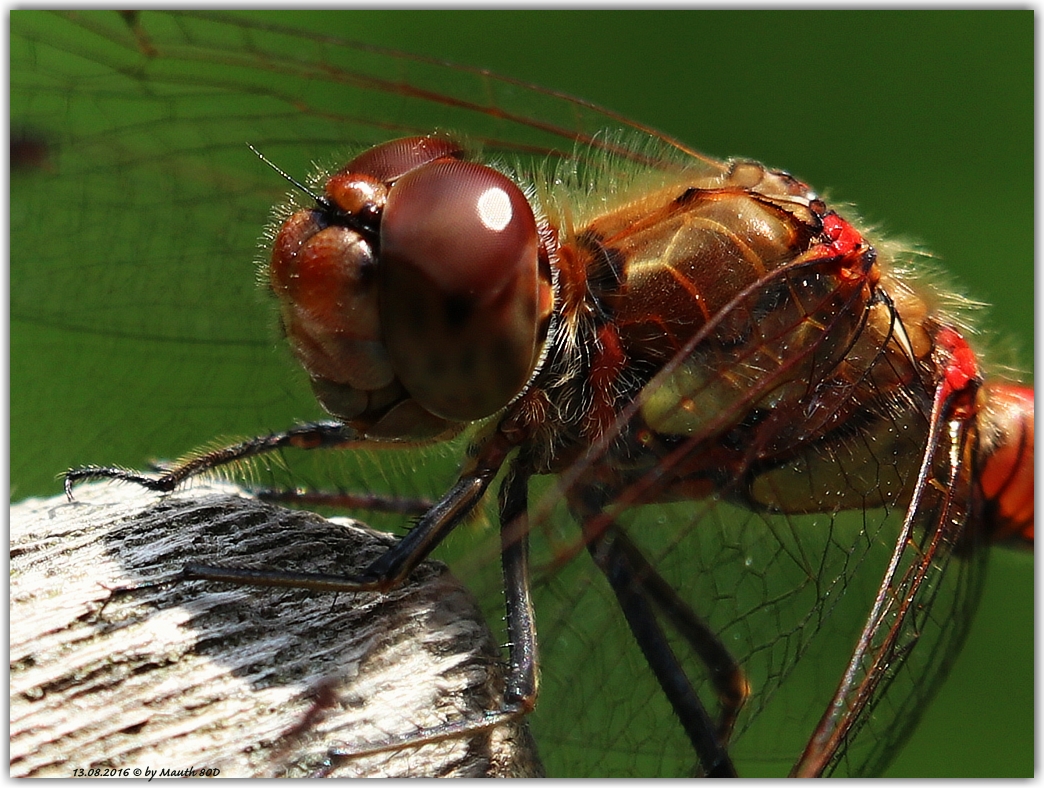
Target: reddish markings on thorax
[[607, 365]]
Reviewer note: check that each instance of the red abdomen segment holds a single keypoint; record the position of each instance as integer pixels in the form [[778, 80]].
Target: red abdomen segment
[[1006, 462]]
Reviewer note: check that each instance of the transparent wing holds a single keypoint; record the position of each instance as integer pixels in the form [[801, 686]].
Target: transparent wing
[[138, 225], [789, 607]]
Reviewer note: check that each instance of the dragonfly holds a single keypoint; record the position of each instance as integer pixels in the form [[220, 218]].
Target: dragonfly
[[540, 138]]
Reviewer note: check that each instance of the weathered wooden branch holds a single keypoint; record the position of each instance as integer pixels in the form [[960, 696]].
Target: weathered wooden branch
[[248, 681]]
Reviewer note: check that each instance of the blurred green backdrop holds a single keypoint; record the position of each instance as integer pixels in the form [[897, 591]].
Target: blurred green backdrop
[[924, 120]]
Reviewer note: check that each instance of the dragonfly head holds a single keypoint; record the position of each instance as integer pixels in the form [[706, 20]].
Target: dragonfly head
[[416, 293]]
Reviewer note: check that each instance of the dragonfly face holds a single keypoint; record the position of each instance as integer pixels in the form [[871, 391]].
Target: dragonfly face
[[138, 245]]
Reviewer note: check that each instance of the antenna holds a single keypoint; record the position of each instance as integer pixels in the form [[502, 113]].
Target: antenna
[[318, 198]]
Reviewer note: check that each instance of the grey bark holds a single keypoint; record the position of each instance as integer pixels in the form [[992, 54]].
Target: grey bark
[[249, 681]]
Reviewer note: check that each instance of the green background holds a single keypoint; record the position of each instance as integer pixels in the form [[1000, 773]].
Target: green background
[[924, 120]]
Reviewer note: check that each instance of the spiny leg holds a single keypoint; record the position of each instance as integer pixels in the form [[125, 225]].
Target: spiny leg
[[371, 502], [392, 567], [627, 572], [650, 637], [521, 682], [728, 678], [521, 685], [319, 435]]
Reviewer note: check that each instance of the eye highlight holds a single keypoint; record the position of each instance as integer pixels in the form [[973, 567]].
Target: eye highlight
[[460, 287]]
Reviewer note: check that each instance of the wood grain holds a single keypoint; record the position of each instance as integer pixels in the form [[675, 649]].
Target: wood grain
[[248, 681]]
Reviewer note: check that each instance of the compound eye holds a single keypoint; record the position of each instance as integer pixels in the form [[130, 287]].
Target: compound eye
[[360, 188], [460, 288], [391, 160]]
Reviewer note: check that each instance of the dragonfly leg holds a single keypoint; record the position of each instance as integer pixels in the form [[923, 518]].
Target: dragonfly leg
[[728, 678], [521, 685], [341, 499], [391, 568], [387, 571], [617, 560], [318, 435], [520, 688]]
